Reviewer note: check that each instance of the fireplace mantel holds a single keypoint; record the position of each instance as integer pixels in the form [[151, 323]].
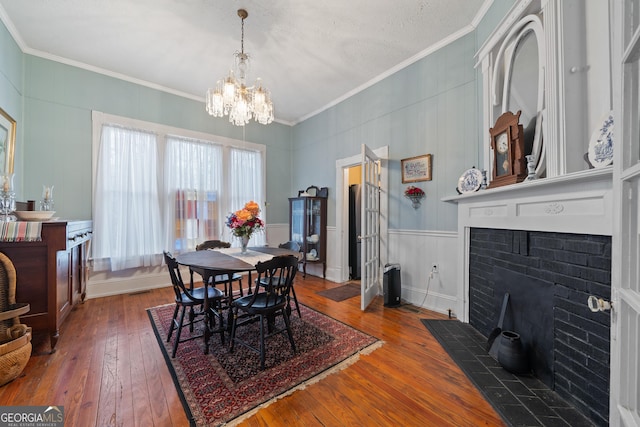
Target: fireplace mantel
[[579, 203]]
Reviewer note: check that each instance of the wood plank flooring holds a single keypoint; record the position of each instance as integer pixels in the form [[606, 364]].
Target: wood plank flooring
[[108, 370]]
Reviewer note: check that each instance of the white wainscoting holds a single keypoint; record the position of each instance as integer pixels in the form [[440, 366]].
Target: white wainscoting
[[417, 252], [106, 283]]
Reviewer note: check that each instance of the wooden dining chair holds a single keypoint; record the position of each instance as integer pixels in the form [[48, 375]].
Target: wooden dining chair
[[191, 300], [266, 304], [220, 279], [292, 246]]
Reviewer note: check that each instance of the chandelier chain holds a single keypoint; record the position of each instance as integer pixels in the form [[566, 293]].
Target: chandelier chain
[[242, 38]]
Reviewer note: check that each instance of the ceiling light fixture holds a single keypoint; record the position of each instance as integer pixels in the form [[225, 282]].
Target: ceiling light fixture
[[232, 97]]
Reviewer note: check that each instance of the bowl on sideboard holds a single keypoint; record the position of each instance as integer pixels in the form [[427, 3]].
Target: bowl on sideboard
[[34, 215]]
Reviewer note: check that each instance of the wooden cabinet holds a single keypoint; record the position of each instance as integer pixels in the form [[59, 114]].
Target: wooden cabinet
[[51, 273], [308, 227]]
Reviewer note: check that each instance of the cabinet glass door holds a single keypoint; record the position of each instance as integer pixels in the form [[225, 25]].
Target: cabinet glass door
[[314, 230], [297, 221]]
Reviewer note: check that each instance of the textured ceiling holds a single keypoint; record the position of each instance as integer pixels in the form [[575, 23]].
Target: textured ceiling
[[310, 54]]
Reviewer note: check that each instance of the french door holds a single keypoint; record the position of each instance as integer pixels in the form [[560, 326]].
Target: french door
[[370, 278], [625, 319]]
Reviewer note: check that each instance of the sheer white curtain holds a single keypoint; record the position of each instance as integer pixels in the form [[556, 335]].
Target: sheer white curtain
[[193, 184], [127, 220], [246, 183]]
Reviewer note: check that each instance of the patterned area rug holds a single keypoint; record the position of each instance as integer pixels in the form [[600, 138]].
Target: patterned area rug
[[225, 388], [341, 293]]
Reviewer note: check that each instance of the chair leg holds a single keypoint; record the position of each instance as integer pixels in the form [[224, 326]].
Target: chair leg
[[287, 322], [178, 333], [234, 319], [217, 312], [192, 316], [295, 299], [173, 323], [262, 349]]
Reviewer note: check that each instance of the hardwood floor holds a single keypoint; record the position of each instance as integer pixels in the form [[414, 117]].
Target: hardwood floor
[[108, 370]]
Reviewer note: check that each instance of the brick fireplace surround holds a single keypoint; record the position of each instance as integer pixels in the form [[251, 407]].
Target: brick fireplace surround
[[548, 243], [549, 277]]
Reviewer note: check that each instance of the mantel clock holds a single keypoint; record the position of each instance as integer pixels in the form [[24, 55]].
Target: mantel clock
[[507, 143]]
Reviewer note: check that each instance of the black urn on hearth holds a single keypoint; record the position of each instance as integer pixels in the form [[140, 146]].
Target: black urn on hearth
[[511, 353]]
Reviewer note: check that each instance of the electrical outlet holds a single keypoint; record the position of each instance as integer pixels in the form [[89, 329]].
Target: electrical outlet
[[434, 270]]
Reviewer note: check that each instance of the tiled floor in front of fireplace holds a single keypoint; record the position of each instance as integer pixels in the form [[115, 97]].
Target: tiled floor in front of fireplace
[[520, 400]]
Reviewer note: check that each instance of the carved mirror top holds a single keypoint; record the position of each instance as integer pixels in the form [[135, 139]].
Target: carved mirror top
[[518, 82]]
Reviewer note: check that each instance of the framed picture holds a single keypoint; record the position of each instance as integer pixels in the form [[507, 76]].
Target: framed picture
[[7, 142], [416, 169]]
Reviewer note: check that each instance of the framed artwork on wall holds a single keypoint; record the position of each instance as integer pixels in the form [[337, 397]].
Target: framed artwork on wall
[[7, 143], [416, 168]]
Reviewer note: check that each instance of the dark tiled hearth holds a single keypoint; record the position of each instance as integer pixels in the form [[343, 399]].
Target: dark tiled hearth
[[520, 400]]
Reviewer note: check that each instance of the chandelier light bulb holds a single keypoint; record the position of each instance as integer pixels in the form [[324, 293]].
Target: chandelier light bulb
[[215, 101]]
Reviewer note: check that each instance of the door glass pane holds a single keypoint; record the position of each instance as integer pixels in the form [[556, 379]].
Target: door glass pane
[[631, 94], [632, 19], [629, 352]]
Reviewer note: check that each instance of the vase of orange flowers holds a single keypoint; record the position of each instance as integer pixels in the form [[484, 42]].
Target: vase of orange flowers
[[244, 222]]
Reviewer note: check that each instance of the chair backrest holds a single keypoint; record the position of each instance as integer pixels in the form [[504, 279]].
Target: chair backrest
[[176, 278], [275, 277], [291, 245], [212, 244]]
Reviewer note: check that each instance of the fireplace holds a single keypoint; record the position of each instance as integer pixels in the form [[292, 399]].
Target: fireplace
[[549, 277], [547, 243]]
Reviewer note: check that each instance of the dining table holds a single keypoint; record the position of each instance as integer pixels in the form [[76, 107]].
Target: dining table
[[227, 261]]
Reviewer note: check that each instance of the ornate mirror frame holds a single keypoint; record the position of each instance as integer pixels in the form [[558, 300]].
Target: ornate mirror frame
[[503, 68]]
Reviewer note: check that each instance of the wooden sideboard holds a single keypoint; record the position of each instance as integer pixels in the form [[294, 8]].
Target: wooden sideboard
[[52, 273]]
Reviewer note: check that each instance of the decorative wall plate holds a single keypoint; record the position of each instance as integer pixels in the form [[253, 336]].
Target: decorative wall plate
[[470, 181], [601, 145]]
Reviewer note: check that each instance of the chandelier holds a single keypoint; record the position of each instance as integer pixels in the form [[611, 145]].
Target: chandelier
[[234, 98]]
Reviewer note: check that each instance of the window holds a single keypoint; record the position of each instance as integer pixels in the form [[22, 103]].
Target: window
[[193, 183], [159, 188]]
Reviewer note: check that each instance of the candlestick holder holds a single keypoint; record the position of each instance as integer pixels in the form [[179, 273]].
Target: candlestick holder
[[531, 167], [46, 204], [7, 206], [7, 199]]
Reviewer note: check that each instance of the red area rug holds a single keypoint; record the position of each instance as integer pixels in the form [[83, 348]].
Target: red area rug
[[225, 388]]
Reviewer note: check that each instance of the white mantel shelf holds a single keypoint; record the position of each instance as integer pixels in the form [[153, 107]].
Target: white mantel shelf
[[579, 203]]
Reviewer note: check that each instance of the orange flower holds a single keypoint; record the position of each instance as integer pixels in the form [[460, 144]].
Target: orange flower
[[253, 208], [244, 215]]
